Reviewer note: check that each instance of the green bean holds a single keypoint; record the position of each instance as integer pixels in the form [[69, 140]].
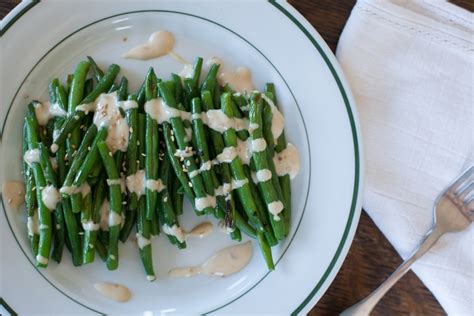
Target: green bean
[[243, 225], [196, 72], [76, 93], [115, 195], [30, 196], [91, 158], [266, 251], [61, 97], [44, 214], [90, 234], [101, 249], [169, 215], [88, 86], [113, 88], [70, 223], [98, 73], [178, 88], [58, 218], [217, 141], [69, 79], [202, 149], [261, 211], [151, 148], [81, 154], [177, 167], [279, 147], [267, 188], [76, 117], [210, 82], [236, 166], [143, 227], [122, 91], [236, 234], [179, 134]]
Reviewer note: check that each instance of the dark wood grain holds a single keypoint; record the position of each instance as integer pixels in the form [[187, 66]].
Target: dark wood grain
[[371, 257]]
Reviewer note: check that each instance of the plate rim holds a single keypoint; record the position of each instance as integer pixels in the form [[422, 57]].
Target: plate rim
[[355, 209]]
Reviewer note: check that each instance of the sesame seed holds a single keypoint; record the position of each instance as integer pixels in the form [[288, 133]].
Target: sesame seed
[[110, 153], [190, 184], [143, 155], [165, 199], [138, 143], [131, 130], [89, 148], [124, 202]]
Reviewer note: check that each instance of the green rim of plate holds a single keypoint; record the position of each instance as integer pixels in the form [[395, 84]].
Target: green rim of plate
[[7, 307], [348, 108], [17, 16]]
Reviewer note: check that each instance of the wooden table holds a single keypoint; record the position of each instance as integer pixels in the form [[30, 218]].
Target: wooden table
[[371, 257]]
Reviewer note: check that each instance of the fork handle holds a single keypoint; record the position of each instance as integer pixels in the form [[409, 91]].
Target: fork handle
[[365, 306]]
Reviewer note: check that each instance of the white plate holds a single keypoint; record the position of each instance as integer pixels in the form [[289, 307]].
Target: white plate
[[278, 45]]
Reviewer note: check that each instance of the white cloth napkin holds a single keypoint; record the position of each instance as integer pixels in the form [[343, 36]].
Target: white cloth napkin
[[410, 66]]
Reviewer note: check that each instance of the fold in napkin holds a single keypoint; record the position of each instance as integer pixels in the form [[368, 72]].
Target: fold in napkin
[[410, 66]]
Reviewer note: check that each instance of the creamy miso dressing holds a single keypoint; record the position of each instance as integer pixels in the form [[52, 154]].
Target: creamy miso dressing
[[224, 228], [225, 262], [104, 216], [50, 196], [204, 167], [107, 113], [120, 181], [205, 202], [155, 185], [287, 161], [162, 112], [31, 156], [14, 193], [278, 121], [113, 291], [45, 111], [214, 119], [114, 219], [90, 225], [136, 183], [159, 44], [187, 71], [275, 208], [243, 151], [41, 259], [239, 79], [142, 241], [84, 189], [33, 224], [201, 230], [263, 175]]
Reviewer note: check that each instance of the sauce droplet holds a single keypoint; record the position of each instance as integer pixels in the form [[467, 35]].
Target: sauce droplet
[[201, 230], [223, 263], [14, 193], [159, 44], [116, 292]]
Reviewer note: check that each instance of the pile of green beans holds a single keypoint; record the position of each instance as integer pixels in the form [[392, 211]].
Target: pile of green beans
[[74, 154]]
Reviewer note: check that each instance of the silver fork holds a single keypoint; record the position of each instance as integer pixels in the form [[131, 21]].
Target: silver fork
[[453, 212]]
